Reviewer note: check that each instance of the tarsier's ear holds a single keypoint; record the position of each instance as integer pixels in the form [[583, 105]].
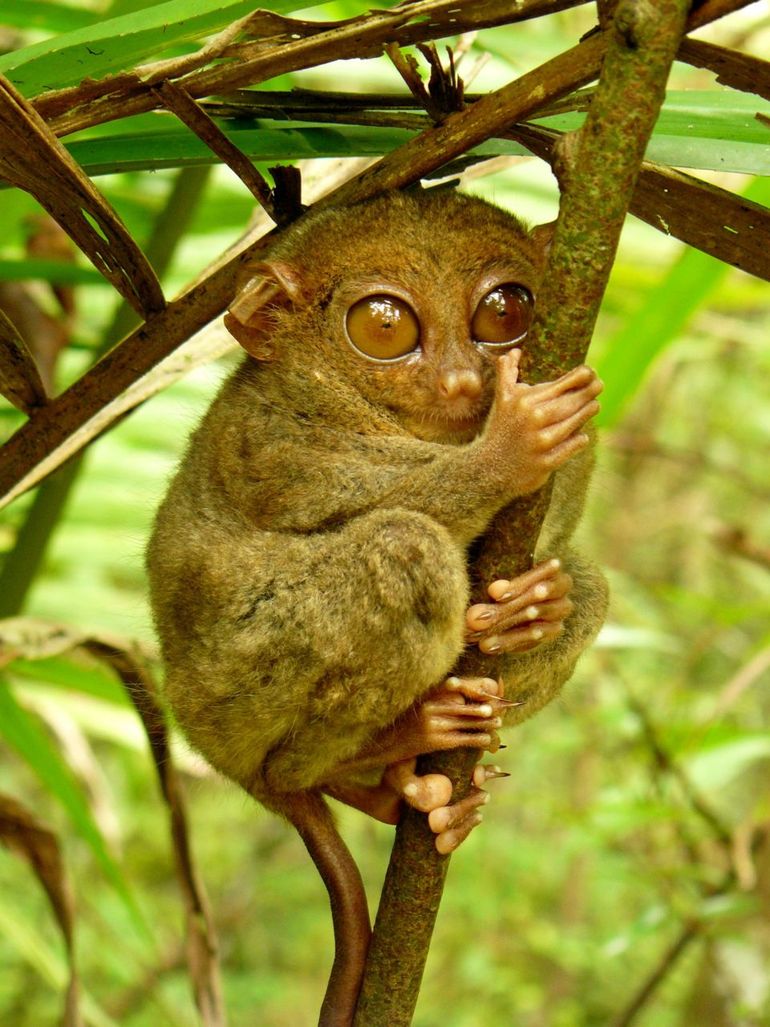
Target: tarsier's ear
[[272, 286], [542, 236]]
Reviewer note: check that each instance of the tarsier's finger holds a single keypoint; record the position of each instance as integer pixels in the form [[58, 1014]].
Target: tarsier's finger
[[505, 589], [564, 427], [475, 689], [552, 590], [560, 454], [549, 409], [521, 639], [579, 377], [452, 824], [539, 601], [552, 611], [486, 690], [450, 724], [508, 369], [461, 713]]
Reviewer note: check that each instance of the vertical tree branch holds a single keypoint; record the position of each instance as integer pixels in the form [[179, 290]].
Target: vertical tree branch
[[597, 170]]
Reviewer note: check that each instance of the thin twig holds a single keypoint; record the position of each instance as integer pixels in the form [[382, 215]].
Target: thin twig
[[179, 102]]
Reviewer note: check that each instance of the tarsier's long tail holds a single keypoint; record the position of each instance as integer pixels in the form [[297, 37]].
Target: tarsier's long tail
[[312, 818]]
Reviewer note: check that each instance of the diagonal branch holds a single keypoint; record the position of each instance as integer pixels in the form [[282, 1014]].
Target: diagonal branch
[[410, 22], [599, 166]]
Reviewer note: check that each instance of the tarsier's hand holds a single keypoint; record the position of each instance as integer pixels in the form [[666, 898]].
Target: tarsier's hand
[[533, 429], [528, 610]]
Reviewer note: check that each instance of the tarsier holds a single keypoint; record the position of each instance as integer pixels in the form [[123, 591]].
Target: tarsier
[[309, 565]]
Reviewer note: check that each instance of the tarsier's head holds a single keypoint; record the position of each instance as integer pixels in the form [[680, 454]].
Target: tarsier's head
[[411, 296]]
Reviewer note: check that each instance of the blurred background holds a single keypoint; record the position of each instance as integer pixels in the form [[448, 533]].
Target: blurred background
[[626, 861]]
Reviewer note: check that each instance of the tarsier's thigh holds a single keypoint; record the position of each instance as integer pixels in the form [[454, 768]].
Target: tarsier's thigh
[[376, 619]]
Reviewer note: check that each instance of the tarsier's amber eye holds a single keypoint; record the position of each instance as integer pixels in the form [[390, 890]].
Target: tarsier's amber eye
[[503, 315], [383, 327]]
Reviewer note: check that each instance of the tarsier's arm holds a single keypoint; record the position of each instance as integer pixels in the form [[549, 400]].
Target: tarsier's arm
[[530, 432]]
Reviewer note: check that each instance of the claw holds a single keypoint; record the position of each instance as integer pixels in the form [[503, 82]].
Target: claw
[[503, 702]]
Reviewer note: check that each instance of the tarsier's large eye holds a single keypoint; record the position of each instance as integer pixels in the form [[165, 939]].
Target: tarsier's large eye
[[503, 315], [383, 327]]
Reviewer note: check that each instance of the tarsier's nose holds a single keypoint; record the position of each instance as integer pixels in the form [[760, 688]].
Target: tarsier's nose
[[453, 384]]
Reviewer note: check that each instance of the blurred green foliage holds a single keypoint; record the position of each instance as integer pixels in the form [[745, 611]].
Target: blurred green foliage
[[606, 844]]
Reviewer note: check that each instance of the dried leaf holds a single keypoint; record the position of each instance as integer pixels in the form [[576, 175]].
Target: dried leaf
[[23, 833], [202, 949], [32, 158], [364, 36], [20, 380], [739, 70], [35, 639], [728, 227], [179, 102]]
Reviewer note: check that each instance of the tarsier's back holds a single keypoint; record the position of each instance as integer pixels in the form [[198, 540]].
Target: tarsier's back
[[309, 564]]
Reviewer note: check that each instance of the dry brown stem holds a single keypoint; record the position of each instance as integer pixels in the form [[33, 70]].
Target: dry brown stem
[[32, 158], [179, 102]]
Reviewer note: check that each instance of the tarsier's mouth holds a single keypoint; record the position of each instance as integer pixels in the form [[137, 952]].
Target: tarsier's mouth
[[457, 424], [461, 413]]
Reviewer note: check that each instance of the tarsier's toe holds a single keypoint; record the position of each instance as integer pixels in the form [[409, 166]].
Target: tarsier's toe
[[422, 792], [452, 824]]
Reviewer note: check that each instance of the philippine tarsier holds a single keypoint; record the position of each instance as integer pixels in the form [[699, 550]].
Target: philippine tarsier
[[309, 565]]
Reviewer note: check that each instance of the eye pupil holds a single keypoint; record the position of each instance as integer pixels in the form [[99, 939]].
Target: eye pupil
[[383, 327], [503, 315]]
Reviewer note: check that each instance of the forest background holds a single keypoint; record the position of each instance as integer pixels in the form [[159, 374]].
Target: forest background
[[628, 855]]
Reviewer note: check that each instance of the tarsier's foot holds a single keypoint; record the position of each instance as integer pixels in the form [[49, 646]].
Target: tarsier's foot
[[461, 713], [465, 712], [528, 610]]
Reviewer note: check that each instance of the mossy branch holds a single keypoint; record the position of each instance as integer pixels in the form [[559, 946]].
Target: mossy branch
[[597, 169]]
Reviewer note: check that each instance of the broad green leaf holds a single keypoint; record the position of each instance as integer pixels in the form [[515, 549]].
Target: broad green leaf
[[46, 16], [711, 129], [23, 733], [120, 43], [79, 675], [714, 131], [659, 320], [176, 146]]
